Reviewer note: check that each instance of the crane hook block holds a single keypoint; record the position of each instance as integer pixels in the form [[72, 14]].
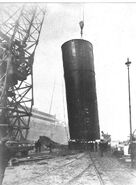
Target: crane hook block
[[81, 24]]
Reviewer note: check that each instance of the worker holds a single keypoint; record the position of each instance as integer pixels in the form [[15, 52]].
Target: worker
[[96, 146], [101, 147], [4, 158], [36, 146], [39, 145], [92, 146]]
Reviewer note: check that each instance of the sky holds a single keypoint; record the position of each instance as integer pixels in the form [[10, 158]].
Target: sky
[[111, 28]]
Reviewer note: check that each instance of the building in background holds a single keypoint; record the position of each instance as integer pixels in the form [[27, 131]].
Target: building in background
[[44, 124]]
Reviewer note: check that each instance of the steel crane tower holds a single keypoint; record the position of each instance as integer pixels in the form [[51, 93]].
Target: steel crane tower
[[19, 36], [20, 28]]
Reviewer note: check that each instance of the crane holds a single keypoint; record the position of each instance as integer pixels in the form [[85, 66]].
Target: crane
[[20, 28]]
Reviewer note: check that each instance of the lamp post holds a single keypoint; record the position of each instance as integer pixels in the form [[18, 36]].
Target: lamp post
[[130, 122]]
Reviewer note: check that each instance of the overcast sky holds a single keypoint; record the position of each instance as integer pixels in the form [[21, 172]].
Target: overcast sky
[[111, 28]]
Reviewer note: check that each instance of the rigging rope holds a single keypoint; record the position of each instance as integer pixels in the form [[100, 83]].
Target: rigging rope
[[52, 96]]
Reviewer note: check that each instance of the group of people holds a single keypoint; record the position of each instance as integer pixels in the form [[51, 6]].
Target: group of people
[[94, 146], [101, 146]]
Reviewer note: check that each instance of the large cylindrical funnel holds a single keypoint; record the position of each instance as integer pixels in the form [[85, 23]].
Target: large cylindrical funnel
[[78, 62]]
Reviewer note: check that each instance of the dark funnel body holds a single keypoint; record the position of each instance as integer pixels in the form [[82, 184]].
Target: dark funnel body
[[78, 63]]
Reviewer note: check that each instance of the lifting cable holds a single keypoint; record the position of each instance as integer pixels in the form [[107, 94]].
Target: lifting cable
[[81, 23], [52, 96]]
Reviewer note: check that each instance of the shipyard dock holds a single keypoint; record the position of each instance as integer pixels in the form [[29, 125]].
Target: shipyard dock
[[70, 167]]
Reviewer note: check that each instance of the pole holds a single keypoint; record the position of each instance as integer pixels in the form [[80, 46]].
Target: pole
[[130, 121]]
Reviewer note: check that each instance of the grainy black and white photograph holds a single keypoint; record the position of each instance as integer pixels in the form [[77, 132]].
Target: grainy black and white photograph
[[67, 93]]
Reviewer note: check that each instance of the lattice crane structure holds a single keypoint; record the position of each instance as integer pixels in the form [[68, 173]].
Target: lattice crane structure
[[20, 28]]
